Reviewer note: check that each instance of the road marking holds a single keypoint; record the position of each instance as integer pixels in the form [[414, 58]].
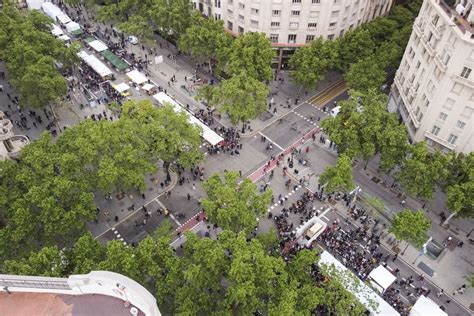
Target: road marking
[[175, 220], [271, 141]]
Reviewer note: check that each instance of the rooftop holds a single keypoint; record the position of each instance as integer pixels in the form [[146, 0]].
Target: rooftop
[[460, 19], [49, 304]]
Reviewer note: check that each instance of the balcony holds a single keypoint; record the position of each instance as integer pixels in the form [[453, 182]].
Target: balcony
[[439, 63], [464, 81], [6, 128], [439, 140], [15, 144], [461, 22]]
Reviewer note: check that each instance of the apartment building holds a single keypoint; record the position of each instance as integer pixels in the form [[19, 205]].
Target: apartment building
[[292, 23], [433, 90]]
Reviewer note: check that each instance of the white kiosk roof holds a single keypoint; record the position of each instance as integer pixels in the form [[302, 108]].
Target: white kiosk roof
[[364, 293], [148, 86], [137, 77], [63, 19], [34, 4], [56, 30], [121, 87], [207, 133], [425, 306], [64, 38], [51, 10], [98, 46], [72, 26], [98, 66], [382, 277]]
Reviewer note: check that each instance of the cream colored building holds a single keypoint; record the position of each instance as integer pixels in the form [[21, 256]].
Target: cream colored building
[[293, 23], [433, 90], [10, 144]]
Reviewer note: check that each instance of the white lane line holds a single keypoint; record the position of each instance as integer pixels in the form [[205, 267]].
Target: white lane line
[[281, 148], [175, 220]]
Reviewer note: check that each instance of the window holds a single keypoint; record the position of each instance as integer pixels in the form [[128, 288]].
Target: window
[[446, 59], [435, 19], [276, 12], [230, 25], [316, 1], [457, 88], [452, 139], [460, 124], [217, 3], [296, 1], [275, 24], [334, 14], [274, 38], [312, 25], [442, 116], [309, 38], [449, 104], [230, 12], [254, 23], [217, 17], [294, 25], [420, 116], [295, 13], [241, 30], [435, 130], [241, 6], [466, 72], [333, 24], [467, 112], [254, 11], [241, 17], [291, 38], [330, 36], [418, 64], [314, 14]]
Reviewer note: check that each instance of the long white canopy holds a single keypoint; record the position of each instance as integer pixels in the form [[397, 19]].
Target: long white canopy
[[121, 87], [56, 30], [98, 46], [72, 26], [137, 77], [63, 19], [207, 133], [364, 293], [382, 277], [34, 4], [51, 10], [99, 67]]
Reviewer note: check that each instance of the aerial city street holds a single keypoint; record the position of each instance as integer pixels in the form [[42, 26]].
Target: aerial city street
[[236, 157]]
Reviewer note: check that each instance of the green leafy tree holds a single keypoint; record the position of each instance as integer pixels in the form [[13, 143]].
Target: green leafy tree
[[339, 177], [242, 96], [309, 64], [421, 170], [49, 261], [205, 40], [460, 198], [85, 255], [411, 226], [164, 229], [121, 259], [355, 45], [233, 206], [251, 56], [269, 241], [138, 26], [366, 74]]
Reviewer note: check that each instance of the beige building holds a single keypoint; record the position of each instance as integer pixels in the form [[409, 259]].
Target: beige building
[[10, 144], [293, 23], [433, 90]]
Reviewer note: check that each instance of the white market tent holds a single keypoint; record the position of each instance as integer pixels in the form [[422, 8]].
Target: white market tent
[[98, 66], [382, 277], [56, 30], [207, 133], [137, 77], [63, 19], [121, 87], [148, 86], [72, 26], [364, 293], [51, 10], [425, 306], [98, 46], [64, 38], [34, 4]]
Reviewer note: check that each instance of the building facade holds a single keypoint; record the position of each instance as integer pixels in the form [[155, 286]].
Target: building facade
[[10, 144], [292, 23], [433, 90]]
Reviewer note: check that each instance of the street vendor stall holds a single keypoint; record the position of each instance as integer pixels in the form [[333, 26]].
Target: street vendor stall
[[381, 278], [51, 10], [137, 77], [98, 46], [122, 88], [425, 306], [150, 89], [102, 70], [63, 19], [56, 30]]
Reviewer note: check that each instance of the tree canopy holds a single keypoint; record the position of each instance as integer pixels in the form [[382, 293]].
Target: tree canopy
[[411, 226], [338, 177]]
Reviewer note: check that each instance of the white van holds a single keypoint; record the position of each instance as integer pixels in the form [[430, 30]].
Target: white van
[[335, 111]]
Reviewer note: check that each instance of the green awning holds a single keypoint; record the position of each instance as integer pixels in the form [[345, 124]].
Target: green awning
[[114, 60], [77, 32], [89, 39]]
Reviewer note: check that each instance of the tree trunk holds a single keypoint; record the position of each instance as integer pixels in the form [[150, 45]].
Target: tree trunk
[[403, 252], [366, 163], [210, 66]]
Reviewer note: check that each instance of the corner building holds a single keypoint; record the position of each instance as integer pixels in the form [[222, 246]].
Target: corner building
[[433, 90], [290, 24]]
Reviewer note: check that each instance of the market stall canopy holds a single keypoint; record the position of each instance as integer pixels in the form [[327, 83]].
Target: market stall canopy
[[98, 46], [148, 87], [121, 87], [34, 4], [137, 77], [64, 38], [63, 19], [363, 292], [72, 26], [425, 306], [56, 30], [51, 10], [382, 277], [99, 67], [114, 60]]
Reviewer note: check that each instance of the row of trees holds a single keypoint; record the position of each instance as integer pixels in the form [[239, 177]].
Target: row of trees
[[230, 275], [32, 54], [365, 55], [47, 196]]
